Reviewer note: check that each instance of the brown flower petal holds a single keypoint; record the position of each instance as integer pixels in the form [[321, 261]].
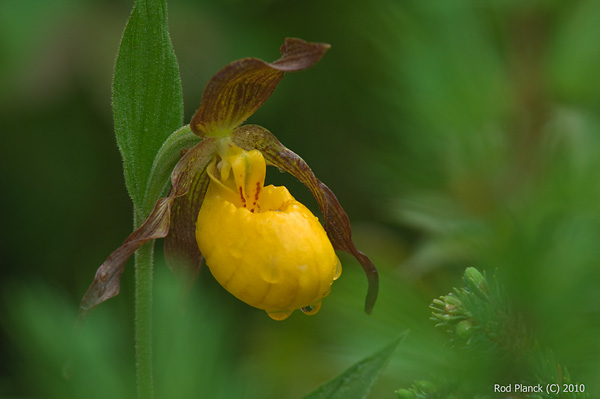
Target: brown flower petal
[[337, 224], [186, 174], [239, 89], [107, 281]]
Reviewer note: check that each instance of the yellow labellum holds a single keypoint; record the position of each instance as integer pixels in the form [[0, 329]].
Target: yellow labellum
[[260, 244]]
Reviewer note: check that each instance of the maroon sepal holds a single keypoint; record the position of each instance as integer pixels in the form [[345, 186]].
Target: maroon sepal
[[240, 88]]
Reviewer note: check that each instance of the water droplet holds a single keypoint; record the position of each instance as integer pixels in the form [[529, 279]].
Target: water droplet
[[312, 309], [281, 170], [101, 290], [103, 276], [338, 270], [280, 314]]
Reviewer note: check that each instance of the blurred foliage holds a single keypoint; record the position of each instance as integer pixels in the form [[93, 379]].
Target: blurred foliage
[[194, 358], [455, 133], [495, 345]]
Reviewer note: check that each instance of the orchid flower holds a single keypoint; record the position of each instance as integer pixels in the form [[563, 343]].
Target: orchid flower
[[260, 244]]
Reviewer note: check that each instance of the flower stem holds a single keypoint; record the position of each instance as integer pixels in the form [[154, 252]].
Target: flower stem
[[144, 259]]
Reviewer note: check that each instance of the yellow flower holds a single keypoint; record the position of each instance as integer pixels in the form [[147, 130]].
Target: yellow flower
[[260, 244]]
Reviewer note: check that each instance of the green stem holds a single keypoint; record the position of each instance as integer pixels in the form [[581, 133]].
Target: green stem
[[144, 259]]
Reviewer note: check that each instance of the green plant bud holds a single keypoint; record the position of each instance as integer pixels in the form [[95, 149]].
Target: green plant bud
[[475, 280], [438, 302], [425, 386], [445, 317], [450, 309], [405, 394], [464, 329], [452, 300]]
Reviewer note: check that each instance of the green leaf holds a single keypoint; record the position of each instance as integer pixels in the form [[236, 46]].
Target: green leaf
[[147, 96], [356, 382]]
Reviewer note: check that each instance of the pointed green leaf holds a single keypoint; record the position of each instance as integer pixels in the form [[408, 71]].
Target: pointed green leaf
[[337, 224], [240, 88], [147, 96], [356, 382]]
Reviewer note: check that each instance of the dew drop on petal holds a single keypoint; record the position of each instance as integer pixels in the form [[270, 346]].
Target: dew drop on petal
[[280, 314], [312, 309], [338, 270]]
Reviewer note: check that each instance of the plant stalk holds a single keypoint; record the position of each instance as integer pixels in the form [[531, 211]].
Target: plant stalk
[[144, 265]]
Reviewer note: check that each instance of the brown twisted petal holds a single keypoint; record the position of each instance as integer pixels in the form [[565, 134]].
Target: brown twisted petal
[[240, 88], [337, 224], [107, 282], [186, 174]]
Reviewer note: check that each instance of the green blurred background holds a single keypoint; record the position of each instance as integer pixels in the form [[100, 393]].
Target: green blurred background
[[455, 133]]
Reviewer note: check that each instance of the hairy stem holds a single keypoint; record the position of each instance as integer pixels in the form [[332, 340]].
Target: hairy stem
[[144, 259]]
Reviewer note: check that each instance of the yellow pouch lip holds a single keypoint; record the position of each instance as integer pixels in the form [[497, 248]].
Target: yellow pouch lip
[[298, 264], [305, 264]]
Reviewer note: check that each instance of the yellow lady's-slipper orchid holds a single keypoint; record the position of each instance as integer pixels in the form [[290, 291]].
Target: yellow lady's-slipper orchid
[[260, 244]]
